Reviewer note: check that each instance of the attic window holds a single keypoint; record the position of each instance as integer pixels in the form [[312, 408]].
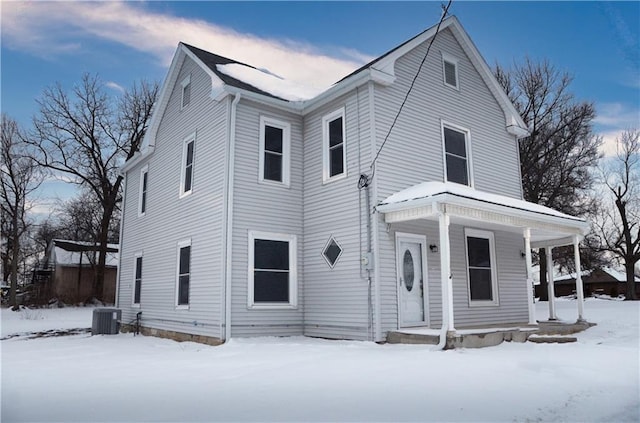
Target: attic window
[[450, 70], [186, 91], [332, 252]]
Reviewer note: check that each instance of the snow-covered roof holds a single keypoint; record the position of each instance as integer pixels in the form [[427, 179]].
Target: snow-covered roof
[[72, 253], [268, 82], [428, 192]]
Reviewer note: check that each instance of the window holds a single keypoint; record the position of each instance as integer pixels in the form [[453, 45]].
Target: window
[[137, 280], [450, 70], [481, 267], [186, 183], [275, 145], [332, 252], [184, 274], [456, 157], [142, 200], [272, 270], [186, 92], [333, 146]]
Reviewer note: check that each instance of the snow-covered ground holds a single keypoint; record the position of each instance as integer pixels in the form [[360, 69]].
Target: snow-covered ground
[[127, 378]]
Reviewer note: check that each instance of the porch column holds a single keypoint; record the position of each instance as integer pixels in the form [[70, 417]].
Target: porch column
[[445, 272], [551, 290], [527, 252], [579, 289]]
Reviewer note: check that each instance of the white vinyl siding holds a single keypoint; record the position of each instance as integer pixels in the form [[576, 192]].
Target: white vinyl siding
[[457, 157], [188, 157], [265, 208], [185, 92], [334, 156], [481, 267], [273, 276], [275, 151], [183, 277], [142, 197], [168, 221], [137, 280]]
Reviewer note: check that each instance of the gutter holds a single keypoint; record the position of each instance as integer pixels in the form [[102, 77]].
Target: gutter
[[229, 218], [137, 158]]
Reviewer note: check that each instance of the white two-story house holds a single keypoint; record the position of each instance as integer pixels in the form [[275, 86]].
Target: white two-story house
[[250, 212]]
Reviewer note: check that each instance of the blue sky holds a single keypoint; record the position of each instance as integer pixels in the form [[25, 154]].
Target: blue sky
[[48, 42]]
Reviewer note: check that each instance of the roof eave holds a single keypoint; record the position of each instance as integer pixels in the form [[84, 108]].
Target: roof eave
[[580, 225]]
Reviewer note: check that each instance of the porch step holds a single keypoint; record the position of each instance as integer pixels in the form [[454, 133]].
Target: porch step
[[552, 339], [412, 338], [562, 328], [465, 338]]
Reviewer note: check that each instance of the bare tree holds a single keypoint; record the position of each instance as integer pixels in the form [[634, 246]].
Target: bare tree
[[87, 135], [617, 229], [558, 157], [20, 177]]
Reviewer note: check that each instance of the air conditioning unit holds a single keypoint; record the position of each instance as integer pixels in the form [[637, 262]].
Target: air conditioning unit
[[106, 321]]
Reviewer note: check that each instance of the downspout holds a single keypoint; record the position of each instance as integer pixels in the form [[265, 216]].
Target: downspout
[[118, 270], [229, 228]]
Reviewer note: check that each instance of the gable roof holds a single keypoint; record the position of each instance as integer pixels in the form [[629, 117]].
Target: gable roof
[[380, 70]]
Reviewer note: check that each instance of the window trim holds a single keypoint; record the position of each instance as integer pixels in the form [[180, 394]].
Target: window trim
[[326, 161], [191, 138], [322, 253], [293, 270], [446, 57], [184, 84], [136, 256], [142, 192], [180, 245], [467, 146], [286, 151], [478, 233]]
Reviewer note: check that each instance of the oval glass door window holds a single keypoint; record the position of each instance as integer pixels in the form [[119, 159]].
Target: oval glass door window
[[407, 270]]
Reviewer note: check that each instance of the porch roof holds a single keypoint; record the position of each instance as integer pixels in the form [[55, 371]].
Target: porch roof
[[549, 227]]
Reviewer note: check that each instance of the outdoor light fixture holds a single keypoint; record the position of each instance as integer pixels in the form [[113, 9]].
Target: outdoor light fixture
[[433, 248]]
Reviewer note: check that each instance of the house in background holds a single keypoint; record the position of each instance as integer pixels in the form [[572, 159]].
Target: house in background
[[256, 208], [67, 272], [606, 280]]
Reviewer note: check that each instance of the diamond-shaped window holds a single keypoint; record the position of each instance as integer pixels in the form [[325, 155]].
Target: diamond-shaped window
[[332, 252]]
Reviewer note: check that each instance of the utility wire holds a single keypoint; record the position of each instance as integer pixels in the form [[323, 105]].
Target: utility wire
[[386, 138]]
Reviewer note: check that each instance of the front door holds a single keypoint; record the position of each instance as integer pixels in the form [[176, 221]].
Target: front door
[[411, 279]]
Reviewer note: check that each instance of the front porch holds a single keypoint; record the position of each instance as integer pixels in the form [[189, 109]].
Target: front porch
[[481, 215]]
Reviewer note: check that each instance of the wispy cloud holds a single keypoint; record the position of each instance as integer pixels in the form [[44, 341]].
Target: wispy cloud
[[115, 86], [611, 120], [55, 28], [617, 114]]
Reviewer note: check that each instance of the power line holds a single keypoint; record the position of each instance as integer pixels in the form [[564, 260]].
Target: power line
[[373, 162]]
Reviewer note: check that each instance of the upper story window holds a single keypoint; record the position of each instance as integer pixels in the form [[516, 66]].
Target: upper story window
[[334, 158], [481, 267], [186, 92], [450, 70], [275, 147], [184, 274], [272, 270], [188, 150], [456, 154], [137, 280], [142, 199]]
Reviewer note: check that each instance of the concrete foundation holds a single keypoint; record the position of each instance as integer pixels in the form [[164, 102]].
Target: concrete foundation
[[176, 336]]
